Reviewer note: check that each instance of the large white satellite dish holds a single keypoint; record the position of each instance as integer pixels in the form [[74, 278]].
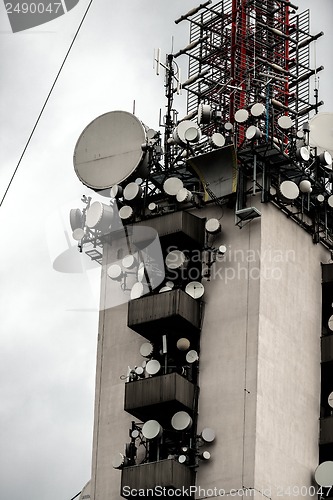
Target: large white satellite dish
[[75, 218], [118, 461], [285, 122], [195, 289], [129, 262], [217, 140], [241, 115], [186, 131], [132, 192], [181, 421], [152, 429], [126, 212], [321, 131], [324, 474], [115, 272], [109, 150], [258, 109]]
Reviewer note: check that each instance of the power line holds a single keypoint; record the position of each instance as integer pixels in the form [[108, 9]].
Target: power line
[[46, 101]]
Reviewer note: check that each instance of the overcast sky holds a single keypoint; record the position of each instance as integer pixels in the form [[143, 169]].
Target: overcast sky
[[48, 320]]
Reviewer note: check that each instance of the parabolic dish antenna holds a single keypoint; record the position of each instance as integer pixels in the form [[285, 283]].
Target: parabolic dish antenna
[[204, 113], [175, 259], [330, 323], [321, 131], [125, 212], [75, 218], [330, 203], [184, 195], [217, 140], [195, 289], [241, 115], [172, 185], [289, 190], [109, 150], [208, 435], [183, 344], [129, 262], [99, 216], [324, 474], [330, 400], [181, 421], [137, 290], [78, 234], [153, 367], [115, 272], [146, 349], [186, 131], [285, 122], [165, 289], [118, 461], [192, 356], [152, 429], [258, 109], [213, 226]]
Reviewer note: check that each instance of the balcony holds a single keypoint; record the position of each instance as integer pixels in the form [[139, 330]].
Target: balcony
[[181, 229], [168, 474], [326, 430], [165, 313], [161, 396]]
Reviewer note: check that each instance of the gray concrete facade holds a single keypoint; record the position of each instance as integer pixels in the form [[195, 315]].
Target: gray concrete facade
[[259, 363]]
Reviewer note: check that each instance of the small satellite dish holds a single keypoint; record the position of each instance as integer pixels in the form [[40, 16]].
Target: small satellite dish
[[241, 116], [182, 459], [195, 289], [205, 455], [181, 421], [222, 249], [213, 226], [300, 134], [172, 185], [118, 461], [78, 234], [139, 371], [217, 140], [152, 207], [116, 191], [175, 259], [126, 212], [303, 153], [305, 186], [330, 400], [208, 435], [184, 195], [192, 356], [129, 262], [170, 284], [135, 433], [183, 344], [320, 198], [153, 367], [192, 134], [75, 218], [99, 216], [204, 114], [321, 131], [109, 150], [132, 192], [183, 128], [285, 122], [228, 126], [289, 190], [115, 272], [324, 474], [330, 201], [252, 133], [330, 323], [165, 289], [272, 191], [152, 429], [137, 290], [146, 349], [258, 109], [325, 159]]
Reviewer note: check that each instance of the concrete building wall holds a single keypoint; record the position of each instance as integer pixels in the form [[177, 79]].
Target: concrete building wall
[[259, 362], [288, 400]]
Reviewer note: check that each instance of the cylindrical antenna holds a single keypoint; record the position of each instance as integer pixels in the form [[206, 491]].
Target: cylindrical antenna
[[192, 12]]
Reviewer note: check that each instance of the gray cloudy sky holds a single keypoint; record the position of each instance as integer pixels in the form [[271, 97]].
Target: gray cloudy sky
[[49, 319]]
